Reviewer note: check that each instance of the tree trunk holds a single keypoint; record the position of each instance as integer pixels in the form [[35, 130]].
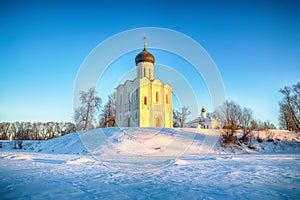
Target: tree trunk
[[86, 126]]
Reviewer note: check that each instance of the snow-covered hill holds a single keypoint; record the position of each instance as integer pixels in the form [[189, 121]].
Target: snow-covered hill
[[156, 142], [146, 163]]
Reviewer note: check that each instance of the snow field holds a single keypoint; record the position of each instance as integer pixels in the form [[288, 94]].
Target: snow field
[[149, 164]]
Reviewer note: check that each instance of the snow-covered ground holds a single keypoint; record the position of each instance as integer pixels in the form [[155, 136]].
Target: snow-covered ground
[[139, 163]]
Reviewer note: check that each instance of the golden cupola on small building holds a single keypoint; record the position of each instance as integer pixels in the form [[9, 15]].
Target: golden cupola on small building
[[145, 101]]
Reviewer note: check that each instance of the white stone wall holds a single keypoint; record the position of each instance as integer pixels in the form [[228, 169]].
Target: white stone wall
[[132, 109], [157, 112], [127, 105], [145, 69]]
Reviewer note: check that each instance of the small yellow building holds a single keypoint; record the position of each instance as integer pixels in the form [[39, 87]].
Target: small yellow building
[[144, 101]]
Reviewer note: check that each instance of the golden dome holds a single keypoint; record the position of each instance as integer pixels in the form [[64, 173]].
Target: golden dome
[[144, 56]]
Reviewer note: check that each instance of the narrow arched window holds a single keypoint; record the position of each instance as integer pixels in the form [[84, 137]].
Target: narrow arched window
[[157, 97], [167, 98], [144, 71], [145, 100], [150, 73]]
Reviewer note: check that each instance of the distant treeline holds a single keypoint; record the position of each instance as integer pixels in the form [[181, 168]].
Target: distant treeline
[[34, 130]]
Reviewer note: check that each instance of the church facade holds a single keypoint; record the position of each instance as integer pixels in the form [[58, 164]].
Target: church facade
[[145, 101]]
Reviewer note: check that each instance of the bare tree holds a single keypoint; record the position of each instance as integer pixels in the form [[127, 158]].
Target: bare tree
[[108, 114], [247, 124], [79, 117], [19, 131], [180, 117], [285, 119], [229, 115], [265, 126], [185, 112], [42, 129], [35, 132], [86, 113], [4, 130], [233, 118], [50, 130], [67, 127], [289, 117], [176, 118], [14, 130]]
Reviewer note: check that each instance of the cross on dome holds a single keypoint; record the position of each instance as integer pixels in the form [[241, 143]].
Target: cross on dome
[[144, 56]]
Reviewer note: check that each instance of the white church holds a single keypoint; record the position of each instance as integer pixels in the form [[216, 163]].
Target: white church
[[145, 101], [205, 121]]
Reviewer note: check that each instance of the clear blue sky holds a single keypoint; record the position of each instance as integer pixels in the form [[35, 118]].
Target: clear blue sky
[[255, 44]]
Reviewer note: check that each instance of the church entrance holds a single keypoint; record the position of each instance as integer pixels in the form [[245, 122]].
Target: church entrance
[[158, 121]]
